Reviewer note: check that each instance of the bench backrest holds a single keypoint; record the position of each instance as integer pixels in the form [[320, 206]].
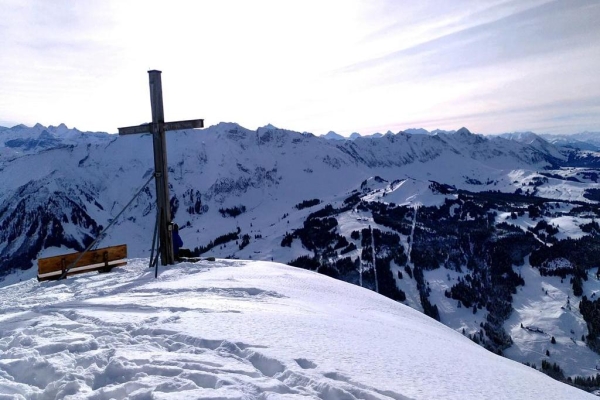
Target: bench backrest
[[94, 260]]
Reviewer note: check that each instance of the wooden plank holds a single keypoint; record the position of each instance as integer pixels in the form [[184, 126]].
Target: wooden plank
[[132, 130], [179, 125], [51, 264], [81, 270]]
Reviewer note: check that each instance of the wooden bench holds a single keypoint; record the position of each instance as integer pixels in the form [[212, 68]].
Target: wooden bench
[[102, 260]]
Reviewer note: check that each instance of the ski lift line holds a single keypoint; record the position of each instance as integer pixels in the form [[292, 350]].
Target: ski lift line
[[101, 235]]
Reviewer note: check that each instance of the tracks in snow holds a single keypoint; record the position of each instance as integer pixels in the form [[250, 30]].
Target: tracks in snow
[[61, 345]]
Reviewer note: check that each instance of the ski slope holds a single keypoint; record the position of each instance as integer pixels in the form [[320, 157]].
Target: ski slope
[[239, 329]]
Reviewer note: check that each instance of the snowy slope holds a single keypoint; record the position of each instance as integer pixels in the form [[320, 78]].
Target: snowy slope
[[548, 303], [407, 191], [236, 329]]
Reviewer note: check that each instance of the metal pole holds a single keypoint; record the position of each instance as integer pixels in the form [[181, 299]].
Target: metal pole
[[160, 166], [156, 262], [154, 235]]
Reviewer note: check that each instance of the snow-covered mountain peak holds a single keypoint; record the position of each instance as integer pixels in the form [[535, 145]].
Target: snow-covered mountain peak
[[331, 135], [231, 130], [417, 131], [441, 131], [533, 140], [63, 129], [19, 127], [523, 137], [584, 141], [373, 184], [224, 126]]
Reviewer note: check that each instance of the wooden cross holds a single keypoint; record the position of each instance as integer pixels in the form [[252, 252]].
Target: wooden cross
[[158, 127]]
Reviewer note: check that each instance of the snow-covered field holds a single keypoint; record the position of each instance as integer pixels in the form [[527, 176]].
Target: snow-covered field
[[544, 308], [548, 304], [237, 329]]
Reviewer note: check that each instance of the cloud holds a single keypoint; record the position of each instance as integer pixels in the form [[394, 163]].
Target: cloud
[[499, 68], [307, 65], [547, 28]]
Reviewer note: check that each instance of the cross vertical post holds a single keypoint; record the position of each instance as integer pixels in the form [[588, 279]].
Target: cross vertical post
[[161, 170]]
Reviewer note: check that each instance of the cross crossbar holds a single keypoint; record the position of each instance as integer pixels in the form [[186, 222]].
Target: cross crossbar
[[167, 126]]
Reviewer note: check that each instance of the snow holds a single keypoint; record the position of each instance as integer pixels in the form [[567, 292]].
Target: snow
[[331, 135], [268, 171], [237, 329], [417, 131], [548, 303], [451, 315], [569, 227], [408, 192]]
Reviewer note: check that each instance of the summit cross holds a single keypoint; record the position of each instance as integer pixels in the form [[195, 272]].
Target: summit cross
[[158, 127]]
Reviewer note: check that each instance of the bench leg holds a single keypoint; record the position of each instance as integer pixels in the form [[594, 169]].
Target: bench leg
[[107, 268]]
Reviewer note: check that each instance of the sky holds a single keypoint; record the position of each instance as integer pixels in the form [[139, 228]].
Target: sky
[[338, 65]]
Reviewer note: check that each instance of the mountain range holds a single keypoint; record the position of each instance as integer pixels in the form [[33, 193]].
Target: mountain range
[[581, 141], [443, 205]]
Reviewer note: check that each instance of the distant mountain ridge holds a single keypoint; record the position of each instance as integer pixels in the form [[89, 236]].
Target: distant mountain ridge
[[62, 186], [581, 140], [232, 161], [225, 162]]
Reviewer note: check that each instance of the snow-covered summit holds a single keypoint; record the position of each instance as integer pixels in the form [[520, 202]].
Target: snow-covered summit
[[237, 329], [268, 126], [583, 141], [22, 140], [533, 140], [442, 131], [331, 135], [417, 131], [523, 137]]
